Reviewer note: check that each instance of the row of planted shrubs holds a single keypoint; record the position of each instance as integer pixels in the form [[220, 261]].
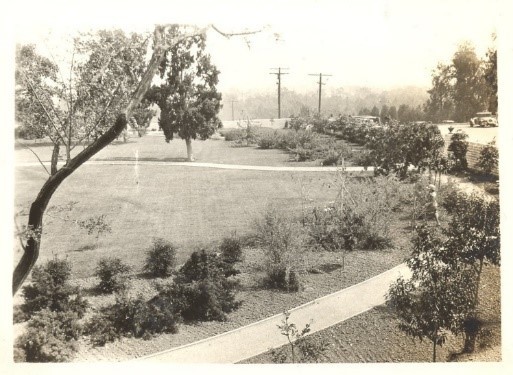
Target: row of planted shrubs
[[304, 145], [398, 146], [202, 289]]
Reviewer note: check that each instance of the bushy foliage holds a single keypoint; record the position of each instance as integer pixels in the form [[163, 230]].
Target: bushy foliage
[[160, 258], [364, 208], [113, 275], [50, 337], [282, 241], [458, 151], [231, 249], [231, 135], [437, 299], [203, 288], [489, 158], [133, 317], [50, 289]]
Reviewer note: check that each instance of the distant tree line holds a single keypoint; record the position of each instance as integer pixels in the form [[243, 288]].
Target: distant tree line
[[463, 87]]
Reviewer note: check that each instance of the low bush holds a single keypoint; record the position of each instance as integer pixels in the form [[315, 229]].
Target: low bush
[[269, 140], [50, 289], [113, 275], [203, 289], [133, 317], [282, 240], [160, 258], [50, 337], [232, 134], [489, 158], [458, 151], [360, 218], [231, 249]]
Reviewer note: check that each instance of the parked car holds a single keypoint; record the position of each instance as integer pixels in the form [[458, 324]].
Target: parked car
[[483, 119]]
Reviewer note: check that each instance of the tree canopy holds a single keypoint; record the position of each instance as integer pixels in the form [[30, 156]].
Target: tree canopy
[[187, 97]]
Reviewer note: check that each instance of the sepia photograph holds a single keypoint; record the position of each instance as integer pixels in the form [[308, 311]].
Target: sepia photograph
[[257, 182]]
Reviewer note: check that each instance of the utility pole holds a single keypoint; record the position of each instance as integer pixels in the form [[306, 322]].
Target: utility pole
[[233, 101], [320, 87], [278, 74]]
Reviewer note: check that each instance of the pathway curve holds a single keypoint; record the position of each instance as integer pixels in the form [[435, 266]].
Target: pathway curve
[[208, 165], [251, 340]]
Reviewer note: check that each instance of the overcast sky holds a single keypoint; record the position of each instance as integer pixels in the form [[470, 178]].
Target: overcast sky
[[373, 43]]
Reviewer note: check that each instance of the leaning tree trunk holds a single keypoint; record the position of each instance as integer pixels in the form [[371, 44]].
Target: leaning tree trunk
[[188, 143], [38, 207], [55, 158]]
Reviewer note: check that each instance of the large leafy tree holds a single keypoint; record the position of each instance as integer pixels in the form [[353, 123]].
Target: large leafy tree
[[440, 105], [470, 91], [187, 97], [491, 80], [461, 88]]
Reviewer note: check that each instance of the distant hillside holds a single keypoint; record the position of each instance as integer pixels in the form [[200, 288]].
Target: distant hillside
[[336, 101]]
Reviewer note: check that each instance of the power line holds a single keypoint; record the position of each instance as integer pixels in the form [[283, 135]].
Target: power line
[[279, 74], [320, 86]]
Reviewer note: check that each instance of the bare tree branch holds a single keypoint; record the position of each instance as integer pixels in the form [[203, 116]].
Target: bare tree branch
[[38, 159], [18, 232], [43, 106], [86, 135], [228, 35]]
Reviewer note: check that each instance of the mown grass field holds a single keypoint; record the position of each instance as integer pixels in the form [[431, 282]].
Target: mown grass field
[[154, 147], [192, 207]]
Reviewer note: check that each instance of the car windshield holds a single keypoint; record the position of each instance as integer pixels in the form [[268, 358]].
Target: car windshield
[[483, 114]]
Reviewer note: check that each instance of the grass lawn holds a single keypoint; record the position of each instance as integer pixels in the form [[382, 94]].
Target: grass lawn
[[190, 207], [154, 147], [374, 337]]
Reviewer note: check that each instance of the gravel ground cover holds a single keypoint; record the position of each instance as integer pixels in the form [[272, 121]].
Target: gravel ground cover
[[374, 337]]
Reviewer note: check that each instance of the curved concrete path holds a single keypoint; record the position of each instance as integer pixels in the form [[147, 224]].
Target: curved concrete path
[[208, 165], [251, 340]]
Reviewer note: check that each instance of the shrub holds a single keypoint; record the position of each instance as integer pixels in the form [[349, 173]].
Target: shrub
[[458, 148], [231, 249], [203, 289], [50, 337], [360, 218], [113, 275], [231, 134], [269, 140], [332, 158], [489, 158], [160, 258], [133, 317], [282, 241], [50, 289]]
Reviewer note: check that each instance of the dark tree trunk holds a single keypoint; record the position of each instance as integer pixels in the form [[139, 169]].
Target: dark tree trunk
[[38, 207], [55, 158]]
